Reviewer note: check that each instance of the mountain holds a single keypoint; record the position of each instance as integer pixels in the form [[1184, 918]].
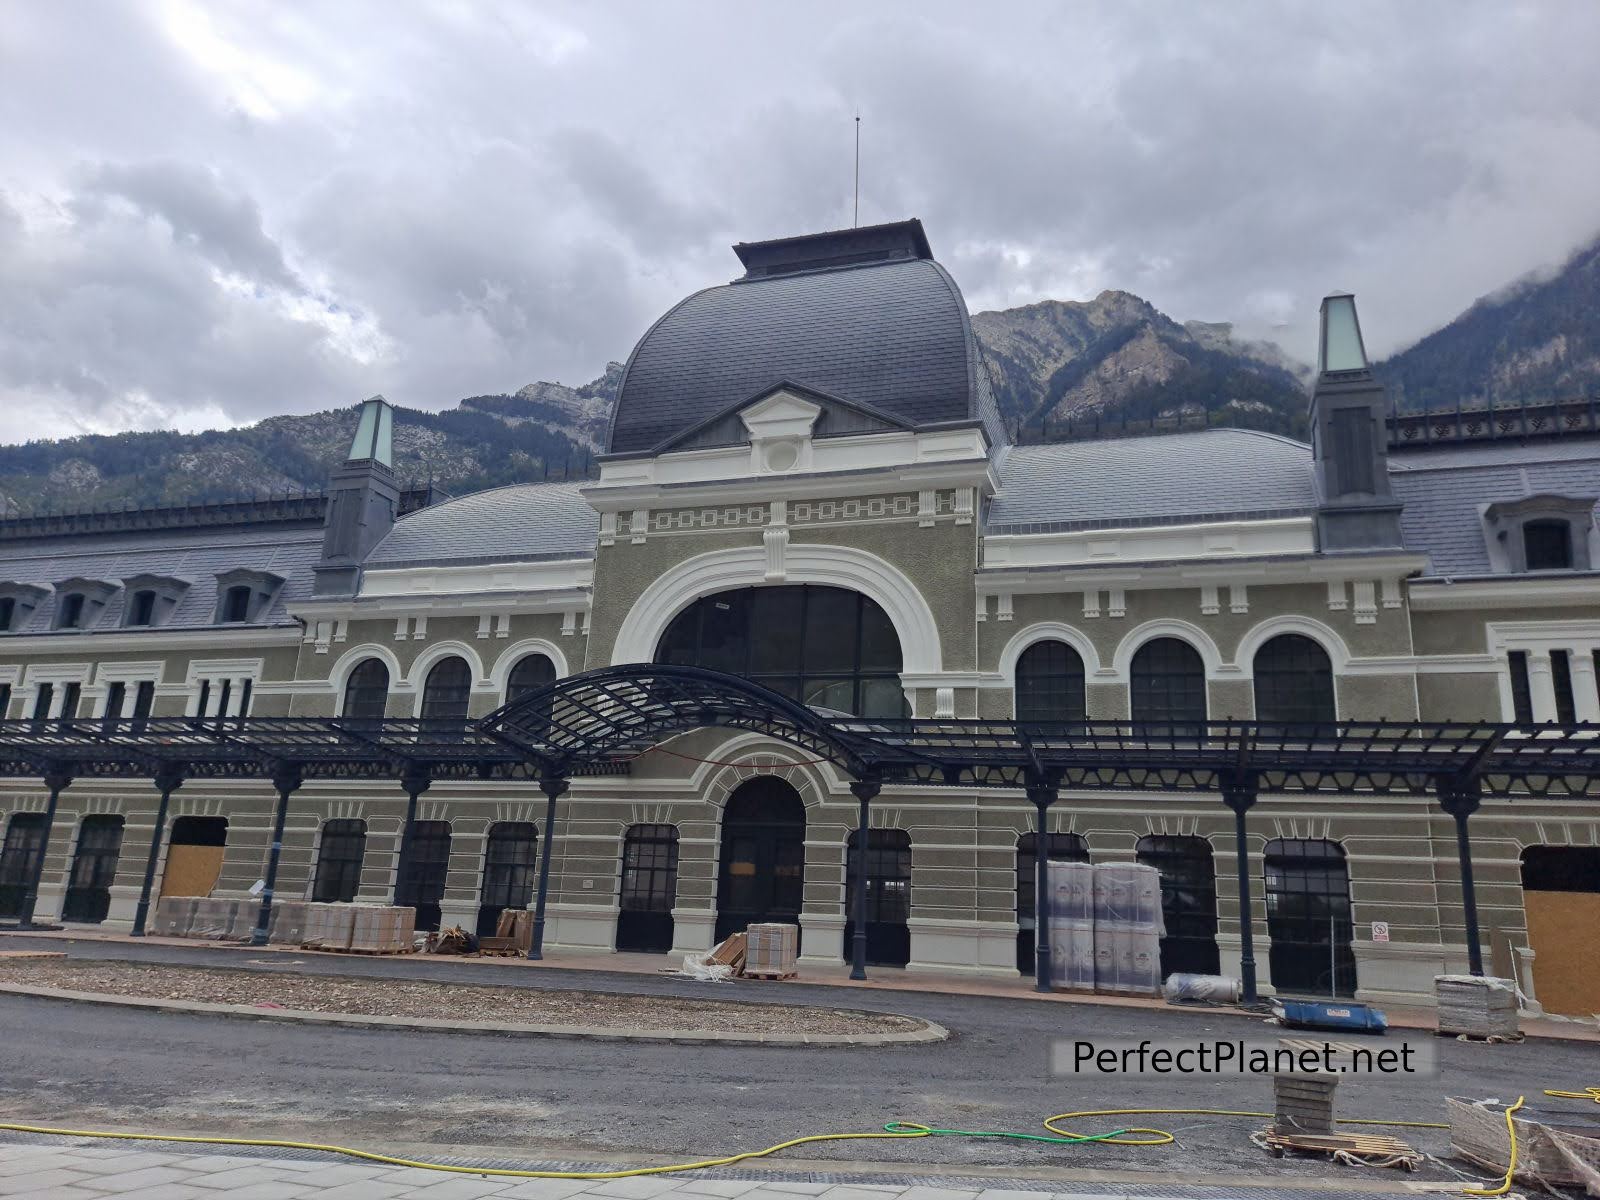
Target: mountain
[[1538, 339], [1060, 369], [1061, 365]]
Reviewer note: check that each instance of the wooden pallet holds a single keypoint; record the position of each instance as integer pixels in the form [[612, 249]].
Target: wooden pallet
[[354, 950], [1374, 1149], [748, 973], [1486, 1039]]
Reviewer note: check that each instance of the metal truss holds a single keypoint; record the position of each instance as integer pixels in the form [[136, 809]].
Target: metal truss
[[595, 722]]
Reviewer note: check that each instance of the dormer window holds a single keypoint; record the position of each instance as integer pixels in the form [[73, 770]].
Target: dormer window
[[142, 608], [245, 595], [17, 602], [71, 614], [1547, 545], [151, 599], [1540, 533]]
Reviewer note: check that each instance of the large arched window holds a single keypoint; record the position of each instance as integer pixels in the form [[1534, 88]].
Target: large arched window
[[1308, 917], [824, 646], [339, 859], [1294, 681], [1049, 683], [447, 690], [532, 672], [366, 692], [1167, 682], [1188, 902]]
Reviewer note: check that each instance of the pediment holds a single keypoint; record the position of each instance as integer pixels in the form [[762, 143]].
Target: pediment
[[785, 410]]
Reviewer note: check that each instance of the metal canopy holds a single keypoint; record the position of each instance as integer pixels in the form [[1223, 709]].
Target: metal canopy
[[593, 723]]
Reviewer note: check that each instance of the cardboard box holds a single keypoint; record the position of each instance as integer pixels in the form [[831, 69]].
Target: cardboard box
[[771, 949]]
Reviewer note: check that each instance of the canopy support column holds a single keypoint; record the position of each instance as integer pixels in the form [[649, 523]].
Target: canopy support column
[[554, 787], [287, 780], [865, 790], [57, 780], [168, 780], [1461, 800], [1042, 793], [1241, 798], [415, 781]]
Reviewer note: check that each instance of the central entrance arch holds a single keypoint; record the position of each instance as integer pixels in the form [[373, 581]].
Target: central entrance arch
[[761, 876]]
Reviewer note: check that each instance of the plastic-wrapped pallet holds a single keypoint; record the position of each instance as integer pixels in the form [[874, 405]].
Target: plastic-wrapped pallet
[[287, 924], [1127, 929], [1072, 954], [381, 928], [174, 916], [771, 949], [213, 918], [1477, 1006], [1071, 891], [328, 926]]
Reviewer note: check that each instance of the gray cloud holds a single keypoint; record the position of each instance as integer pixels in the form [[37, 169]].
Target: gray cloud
[[213, 214]]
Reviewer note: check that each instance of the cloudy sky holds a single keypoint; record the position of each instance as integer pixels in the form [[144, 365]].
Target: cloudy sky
[[210, 213]]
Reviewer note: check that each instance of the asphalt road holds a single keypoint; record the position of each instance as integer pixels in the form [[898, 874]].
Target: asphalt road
[[69, 1064]]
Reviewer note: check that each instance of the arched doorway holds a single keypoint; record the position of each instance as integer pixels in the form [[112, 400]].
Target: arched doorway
[[1308, 917], [761, 876], [1188, 902], [888, 896]]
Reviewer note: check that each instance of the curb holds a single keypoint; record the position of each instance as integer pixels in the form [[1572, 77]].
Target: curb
[[685, 1037]]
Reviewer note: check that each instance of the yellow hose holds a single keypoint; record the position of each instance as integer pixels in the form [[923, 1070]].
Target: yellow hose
[[1511, 1167]]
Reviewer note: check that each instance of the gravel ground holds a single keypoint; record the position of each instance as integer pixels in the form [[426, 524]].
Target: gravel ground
[[416, 998]]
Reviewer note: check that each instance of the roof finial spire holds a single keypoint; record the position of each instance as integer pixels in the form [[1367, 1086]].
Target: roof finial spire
[[855, 220]]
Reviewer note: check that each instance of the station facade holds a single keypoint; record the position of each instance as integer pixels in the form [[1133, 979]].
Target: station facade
[[807, 483]]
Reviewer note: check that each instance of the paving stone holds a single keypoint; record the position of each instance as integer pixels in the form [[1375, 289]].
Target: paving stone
[[34, 1183], [278, 1189], [144, 1177], [164, 1191], [642, 1187], [239, 1173], [545, 1189], [936, 1193], [361, 1189], [797, 1189], [455, 1187], [727, 1188]]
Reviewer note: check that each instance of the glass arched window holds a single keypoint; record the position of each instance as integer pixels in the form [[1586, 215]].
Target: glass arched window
[[339, 859], [366, 692], [1308, 917], [447, 690], [1167, 682], [824, 646], [1188, 902], [532, 672], [1049, 683], [1294, 681], [649, 888]]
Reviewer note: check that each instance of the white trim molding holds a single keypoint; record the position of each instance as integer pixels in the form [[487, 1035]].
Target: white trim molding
[[1529, 591], [1259, 635], [500, 673], [1048, 631], [1579, 639], [1154, 543], [1122, 661], [417, 677], [347, 662], [804, 562]]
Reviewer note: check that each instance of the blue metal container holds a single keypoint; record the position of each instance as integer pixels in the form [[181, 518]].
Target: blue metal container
[[1344, 1015]]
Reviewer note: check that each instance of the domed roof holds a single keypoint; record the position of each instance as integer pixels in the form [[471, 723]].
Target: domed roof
[[862, 315]]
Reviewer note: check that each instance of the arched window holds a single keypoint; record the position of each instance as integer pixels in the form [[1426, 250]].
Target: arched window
[[421, 884], [532, 672], [1064, 847], [509, 871], [888, 896], [1049, 683], [366, 692], [1168, 682], [1188, 902], [23, 845], [1294, 681], [344, 846], [447, 691], [94, 866], [1308, 917], [824, 646], [649, 888]]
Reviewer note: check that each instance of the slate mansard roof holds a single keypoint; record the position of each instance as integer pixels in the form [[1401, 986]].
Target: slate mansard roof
[[1164, 480], [1445, 491], [518, 523], [195, 556], [864, 315]]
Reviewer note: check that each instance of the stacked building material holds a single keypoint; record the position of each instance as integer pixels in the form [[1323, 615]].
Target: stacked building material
[[1303, 1102], [212, 919], [1477, 1006], [1105, 928], [287, 925], [381, 928], [1127, 929], [328, 926], [174, 916], [1072, 946], [771, 950]]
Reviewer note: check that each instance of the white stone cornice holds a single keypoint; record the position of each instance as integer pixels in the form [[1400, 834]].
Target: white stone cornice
[[1433, 595], [1050, 578], [149, 641]]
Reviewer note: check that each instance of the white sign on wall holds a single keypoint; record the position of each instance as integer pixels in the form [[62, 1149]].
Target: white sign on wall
[[1380, 931]]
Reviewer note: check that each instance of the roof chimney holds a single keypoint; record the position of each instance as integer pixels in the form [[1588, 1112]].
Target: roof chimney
[[363, 500], [1349, 438]]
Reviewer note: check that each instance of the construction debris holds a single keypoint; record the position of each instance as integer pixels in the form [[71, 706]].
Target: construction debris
[[1556, 1148], [1350, 1149]]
